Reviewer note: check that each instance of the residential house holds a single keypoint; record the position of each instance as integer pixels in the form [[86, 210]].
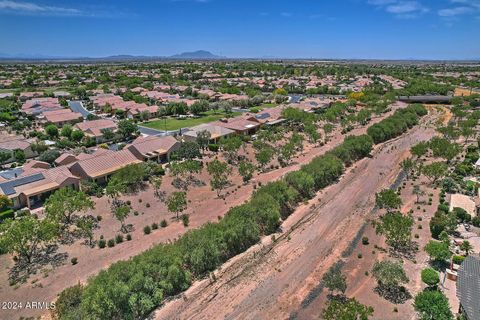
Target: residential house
[[147, 111], [154, 148], [37, 106], [240, 125], [62, 116], [31, 189], [67, 159], [17, 143], [468, 287], [216, 132], [269, 116], [96, 128], [99, 168]]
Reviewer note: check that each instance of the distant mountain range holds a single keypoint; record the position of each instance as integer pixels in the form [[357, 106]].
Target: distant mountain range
[[194, 55], [204, 55]]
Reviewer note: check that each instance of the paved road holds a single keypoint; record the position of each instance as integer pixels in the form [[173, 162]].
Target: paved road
[[77, 106], [154, 132]]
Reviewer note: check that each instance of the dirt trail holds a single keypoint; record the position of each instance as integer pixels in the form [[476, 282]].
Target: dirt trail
[[272, 279]]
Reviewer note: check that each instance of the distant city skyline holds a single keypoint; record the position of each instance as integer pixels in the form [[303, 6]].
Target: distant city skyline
[[343, 29]]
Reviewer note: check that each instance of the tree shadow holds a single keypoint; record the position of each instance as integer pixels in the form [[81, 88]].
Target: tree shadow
[[48, 256], [406, 252], [394, 294]]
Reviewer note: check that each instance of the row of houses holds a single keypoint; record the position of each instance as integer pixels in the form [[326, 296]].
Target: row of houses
[[31, 185]]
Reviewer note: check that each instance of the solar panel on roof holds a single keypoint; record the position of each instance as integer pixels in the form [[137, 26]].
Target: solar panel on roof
[[8, 187], [263, 116], [11, 174]]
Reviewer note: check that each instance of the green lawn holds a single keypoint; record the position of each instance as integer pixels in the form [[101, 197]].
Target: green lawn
[[175, 124], [263, 106]]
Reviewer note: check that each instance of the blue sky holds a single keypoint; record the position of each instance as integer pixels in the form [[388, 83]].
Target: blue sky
[[389, 29]]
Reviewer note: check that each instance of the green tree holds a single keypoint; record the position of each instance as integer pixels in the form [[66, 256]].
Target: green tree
[[302, 182], [77, 135], [231, 145], [108, 134], [85, 225], [334, 280], [430, 277], [156, 183], [4, 156], [49, 156], [177, 202], [19, 155], [52, 131], [418, 192], [62, 204], [408, 165], [68, 303], [389, 274], [420, 149], [219, 172], [432, 305], [388, 199], [26, 235], [66, 131], [5, 202], [435, 171], [203, 139], [287, 151], [397, 229], [350, 309], [246, 170], [189, 150], [127, 128], [438, 251], [121, 213], [467, 247], [264, 155]]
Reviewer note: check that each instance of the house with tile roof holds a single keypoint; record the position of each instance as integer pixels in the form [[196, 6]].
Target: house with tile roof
[[240, 124], [154, 148], [100, 167], [216, 132], [37, 106], [95, 128], [17, 143], [62, 116], [30, 189]]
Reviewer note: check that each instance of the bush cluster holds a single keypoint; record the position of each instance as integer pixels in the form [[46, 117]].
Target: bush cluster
[[396, 124]]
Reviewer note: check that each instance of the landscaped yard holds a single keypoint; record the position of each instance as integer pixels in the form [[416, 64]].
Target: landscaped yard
[[175, 124], [263, 106]]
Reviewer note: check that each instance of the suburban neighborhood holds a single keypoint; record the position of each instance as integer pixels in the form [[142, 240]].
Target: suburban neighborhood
[[320, 160]]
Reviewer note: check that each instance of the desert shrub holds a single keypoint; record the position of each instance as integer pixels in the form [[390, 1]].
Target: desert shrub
[[147, 230], [111, 243], [102, 243]]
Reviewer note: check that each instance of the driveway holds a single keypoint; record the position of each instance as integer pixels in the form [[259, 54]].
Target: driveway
[[77, 106]]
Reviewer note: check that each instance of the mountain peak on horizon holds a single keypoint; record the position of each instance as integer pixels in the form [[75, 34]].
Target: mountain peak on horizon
[[199, 54]]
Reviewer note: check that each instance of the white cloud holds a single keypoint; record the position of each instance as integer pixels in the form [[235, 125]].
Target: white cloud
[[405, 7], [461, 7], [400, 8], [32, 8], [451, 12]]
